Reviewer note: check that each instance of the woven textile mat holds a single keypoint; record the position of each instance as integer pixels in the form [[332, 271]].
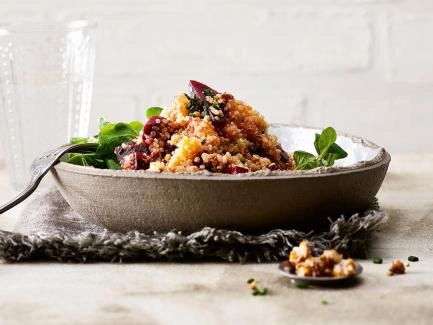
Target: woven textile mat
[[48, 229]]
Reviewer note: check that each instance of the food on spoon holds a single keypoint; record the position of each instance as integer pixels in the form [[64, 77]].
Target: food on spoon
[[205, 130], [330, 263]]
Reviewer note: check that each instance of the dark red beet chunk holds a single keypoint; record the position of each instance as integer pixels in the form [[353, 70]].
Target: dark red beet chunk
[[130, 147], [133, 156], [142, 160], [153, 124], [198, 88], [284, 155], [218, 121], [237, 170]]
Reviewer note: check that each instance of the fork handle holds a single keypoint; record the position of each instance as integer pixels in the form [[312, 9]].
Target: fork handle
[[36, 178], [20, 197]]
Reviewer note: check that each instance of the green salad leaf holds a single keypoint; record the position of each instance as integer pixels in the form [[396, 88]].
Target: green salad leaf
[[77, 140], [153, 111], [112, 164], [137, 126], [110, 136], [327, 152]]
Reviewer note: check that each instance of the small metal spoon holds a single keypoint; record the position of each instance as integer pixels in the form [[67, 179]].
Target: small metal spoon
[[317, 280], [40, 167]]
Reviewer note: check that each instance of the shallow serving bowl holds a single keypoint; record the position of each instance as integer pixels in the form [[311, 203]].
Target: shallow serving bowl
[[147, 201]]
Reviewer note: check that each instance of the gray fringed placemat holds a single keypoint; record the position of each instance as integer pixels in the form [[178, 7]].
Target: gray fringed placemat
[[48, 229]]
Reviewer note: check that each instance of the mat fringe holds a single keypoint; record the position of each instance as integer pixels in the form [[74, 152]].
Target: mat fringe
[[350, 236]]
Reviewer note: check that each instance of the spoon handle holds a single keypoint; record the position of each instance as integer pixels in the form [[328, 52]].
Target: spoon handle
[[40, 167]]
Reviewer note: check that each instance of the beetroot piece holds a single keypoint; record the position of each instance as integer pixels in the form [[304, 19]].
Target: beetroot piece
[[133, 156], [237, 169], [198, 88], [130, 147], [284, 155], [153, 124], [142, 160], [218, 121]]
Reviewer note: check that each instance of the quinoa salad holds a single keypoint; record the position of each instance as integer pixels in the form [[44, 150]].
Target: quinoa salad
[[201, 131], [206, 130]]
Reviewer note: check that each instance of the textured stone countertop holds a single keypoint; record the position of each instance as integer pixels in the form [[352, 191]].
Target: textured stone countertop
[[211, 293]]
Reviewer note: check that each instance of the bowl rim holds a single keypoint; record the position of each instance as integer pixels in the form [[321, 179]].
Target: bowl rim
[[382, 158], [266, 175]]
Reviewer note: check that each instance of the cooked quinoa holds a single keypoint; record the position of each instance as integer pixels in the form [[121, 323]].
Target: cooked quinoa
[[331, 264], [206, 131]]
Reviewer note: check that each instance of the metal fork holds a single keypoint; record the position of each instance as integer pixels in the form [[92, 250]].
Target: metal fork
[[40, 167]]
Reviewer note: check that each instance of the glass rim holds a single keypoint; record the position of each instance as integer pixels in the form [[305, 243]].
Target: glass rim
[[8, 27]]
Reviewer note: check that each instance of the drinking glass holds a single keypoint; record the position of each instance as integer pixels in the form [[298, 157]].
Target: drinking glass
[[46, 81]]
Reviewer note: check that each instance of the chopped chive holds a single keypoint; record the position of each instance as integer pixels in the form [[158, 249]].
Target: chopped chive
[[377, 260], [260, 292], [302, 286], [207, 92], [413, 259], [324, 302], [256, 291]]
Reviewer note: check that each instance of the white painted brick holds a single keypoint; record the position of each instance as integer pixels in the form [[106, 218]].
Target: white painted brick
[[317, 62], [236, 42], [310, 41], [411, 48], [395, 117]]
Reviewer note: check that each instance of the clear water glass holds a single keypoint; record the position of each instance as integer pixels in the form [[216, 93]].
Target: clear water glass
[[46, 81]]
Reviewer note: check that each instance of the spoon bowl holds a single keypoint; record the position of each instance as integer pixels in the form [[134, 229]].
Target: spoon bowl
[[318, 280]]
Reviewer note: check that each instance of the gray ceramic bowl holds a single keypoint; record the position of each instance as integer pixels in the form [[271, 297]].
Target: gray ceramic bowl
[[145, 201]]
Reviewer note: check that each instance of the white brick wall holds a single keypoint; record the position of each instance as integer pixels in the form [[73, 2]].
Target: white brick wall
[[411, 48], [363, 66]]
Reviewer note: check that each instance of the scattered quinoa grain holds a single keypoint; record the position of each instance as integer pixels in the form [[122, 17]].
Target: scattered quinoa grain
[[397, 267], [255, 290]]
